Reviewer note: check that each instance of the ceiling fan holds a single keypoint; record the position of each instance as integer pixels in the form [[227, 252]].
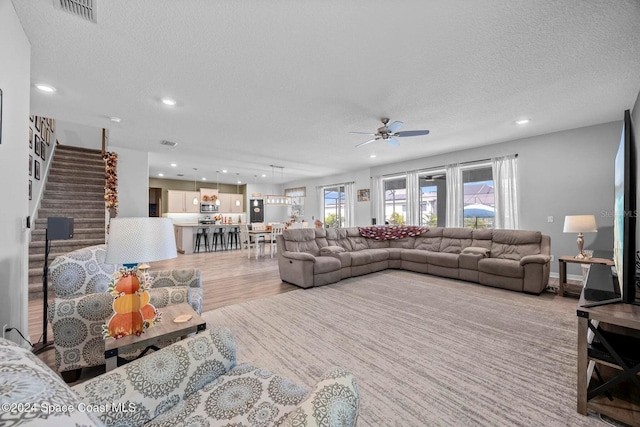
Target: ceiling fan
[[390, 132]]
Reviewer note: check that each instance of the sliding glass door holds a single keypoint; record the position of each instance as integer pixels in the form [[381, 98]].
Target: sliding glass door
[[334, 206]]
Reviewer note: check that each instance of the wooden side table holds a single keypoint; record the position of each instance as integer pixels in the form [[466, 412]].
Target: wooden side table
[[562, 271], [166, 329]]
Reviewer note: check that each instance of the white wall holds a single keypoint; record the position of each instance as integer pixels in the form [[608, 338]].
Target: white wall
[[133, 182], [77, 135], [562, 173], [635, 120], [14, 153]]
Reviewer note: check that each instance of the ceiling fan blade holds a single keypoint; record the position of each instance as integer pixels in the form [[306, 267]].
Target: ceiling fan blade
[[364, 133], [394, 127], [392, 142], [413, 133], [367, 142]]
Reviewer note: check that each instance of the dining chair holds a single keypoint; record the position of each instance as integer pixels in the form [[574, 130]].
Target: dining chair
[[276, 229], [247, 240]]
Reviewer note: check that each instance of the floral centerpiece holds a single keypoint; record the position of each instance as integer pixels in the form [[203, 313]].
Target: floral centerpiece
[[217, 218]]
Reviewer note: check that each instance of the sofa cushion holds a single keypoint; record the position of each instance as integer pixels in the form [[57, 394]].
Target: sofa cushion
[[344, 257], [338, 237], [81, 272], [246, 395], [515, 244], [501, 267], [162, 379], [406, 243], [455, 239], [301, 240], [414, 255], [443, 259], [361, 258], [333, 401], [378, 244], [326, 264], [430, 240], [482, 238], [26, 382]]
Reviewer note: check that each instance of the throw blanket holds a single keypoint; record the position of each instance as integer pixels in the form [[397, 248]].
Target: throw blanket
[[391, 232]]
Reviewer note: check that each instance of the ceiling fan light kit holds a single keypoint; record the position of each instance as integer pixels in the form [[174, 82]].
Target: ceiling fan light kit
[[390, 133]]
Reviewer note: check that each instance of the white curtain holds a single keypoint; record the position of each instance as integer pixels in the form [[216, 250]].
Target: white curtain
[[377, 199], [413, 199], [454, 196], [505, 180], [320, 199], [349, 204]]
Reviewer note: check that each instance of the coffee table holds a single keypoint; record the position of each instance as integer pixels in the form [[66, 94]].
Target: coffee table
[[164, 330]]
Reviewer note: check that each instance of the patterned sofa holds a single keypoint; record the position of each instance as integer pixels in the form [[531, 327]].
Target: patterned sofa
[[79, 280], [193, 382], [511, 259]]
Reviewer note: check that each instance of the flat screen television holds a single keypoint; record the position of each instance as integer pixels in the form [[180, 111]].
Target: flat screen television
[[624, 217], [624, 222]]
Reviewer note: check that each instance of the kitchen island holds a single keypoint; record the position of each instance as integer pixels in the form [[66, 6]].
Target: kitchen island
[[186, 234]]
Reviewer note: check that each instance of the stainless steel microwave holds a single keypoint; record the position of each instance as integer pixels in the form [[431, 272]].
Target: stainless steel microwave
[[208, 207]]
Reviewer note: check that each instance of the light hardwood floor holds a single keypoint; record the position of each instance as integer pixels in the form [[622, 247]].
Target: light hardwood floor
[[228, 277]]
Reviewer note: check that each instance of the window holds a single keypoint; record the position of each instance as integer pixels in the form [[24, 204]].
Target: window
[[334, 207], [395, 201], [433, 198], [478, 193], [297, 195]]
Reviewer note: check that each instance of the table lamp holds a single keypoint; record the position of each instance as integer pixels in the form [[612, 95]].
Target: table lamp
[[134, 240], [580, 224]]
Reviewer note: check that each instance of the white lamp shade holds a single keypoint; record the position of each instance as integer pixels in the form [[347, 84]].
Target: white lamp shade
[[134, 240], [580, 224]]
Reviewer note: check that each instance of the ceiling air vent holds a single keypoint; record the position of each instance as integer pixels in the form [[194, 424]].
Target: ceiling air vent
[[168, 143], [85, 9]]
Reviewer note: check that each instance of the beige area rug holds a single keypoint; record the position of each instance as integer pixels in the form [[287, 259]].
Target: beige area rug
[[426, 351]]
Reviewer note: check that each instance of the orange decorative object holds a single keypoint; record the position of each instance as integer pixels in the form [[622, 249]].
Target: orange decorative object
[[128, 284], [133, 313], [123, 324]]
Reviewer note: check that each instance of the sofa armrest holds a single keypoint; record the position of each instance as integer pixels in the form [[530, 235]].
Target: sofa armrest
[[300, 256], [335, 395], [160, 380], [473, 250], [536, 259]]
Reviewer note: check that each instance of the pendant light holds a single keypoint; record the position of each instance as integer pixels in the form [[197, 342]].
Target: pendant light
[[237, 189], [277, 200], [255, 201], [195, 198], [218, 187]]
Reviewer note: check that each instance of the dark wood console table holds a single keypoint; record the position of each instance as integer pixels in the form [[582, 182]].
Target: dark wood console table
[[616, 348]]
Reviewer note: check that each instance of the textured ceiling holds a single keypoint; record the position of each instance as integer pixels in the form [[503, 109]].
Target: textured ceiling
[[284, 82]]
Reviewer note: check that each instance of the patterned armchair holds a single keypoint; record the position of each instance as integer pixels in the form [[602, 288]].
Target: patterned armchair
[[80, 280], [195, 381]]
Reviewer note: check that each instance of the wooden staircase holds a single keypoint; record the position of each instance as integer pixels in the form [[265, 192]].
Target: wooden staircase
[[75, 189]]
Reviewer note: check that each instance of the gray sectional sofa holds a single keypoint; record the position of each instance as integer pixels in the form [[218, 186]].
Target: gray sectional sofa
[[517, 260]]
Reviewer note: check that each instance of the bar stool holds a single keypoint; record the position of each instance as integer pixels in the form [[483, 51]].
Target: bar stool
[[233, 236], [218, 233], [202, 234]]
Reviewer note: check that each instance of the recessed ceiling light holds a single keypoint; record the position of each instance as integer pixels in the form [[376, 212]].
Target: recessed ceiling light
[[168, 101], [173, 165], [160, 174], [115, 119], [264, 175], [522, 122], [45, 88], [224, 171], [239, 182], [372, 156], [204, 179]]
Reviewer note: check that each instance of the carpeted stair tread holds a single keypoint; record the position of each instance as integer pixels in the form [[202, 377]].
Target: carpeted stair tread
[[74, 187]]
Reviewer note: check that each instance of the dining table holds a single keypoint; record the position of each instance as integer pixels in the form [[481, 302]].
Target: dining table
[[259, 244]]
